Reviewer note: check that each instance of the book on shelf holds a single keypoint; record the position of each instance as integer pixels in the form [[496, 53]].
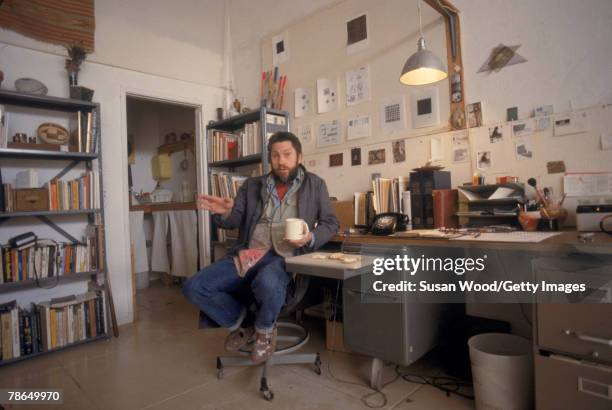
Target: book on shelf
[[4, 135], [227, 185], [225, 146], [48, 259], [80, 193], [84, 135]]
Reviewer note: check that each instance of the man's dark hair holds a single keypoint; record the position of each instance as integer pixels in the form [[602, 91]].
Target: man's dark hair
[[282, 136]]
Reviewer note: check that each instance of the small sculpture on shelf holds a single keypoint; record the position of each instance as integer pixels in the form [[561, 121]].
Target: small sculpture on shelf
[[77, 55]]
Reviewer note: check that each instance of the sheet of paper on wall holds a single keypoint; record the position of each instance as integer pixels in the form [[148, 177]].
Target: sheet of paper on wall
[[424, 107], [606, 142], [302, 102], [280, 48], [522, 128], [358, 85], [327, 95], [435, 144], [460, 154], [571, 123], [587, 184], [305, 133], [461, 138], [523, 149], [329, 134], [359, 127], [393, 114]]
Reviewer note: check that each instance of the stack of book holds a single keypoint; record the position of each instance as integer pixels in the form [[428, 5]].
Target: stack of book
[[250, 141], [388, 194], [50, 325], [80, 193], [7, 198]]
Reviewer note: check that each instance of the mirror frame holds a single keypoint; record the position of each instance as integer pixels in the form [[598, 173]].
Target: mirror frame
[[454, 61]]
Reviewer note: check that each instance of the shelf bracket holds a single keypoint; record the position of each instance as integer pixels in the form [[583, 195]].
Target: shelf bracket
[[59, 230], [66, 169]]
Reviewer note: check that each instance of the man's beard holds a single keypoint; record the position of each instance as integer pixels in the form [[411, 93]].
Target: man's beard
[[292, 174]]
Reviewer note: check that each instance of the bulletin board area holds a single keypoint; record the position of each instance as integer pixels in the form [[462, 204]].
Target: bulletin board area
[[317, 49]]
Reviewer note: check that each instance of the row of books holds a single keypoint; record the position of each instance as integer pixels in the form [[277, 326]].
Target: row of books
[[80, 193], [388, 194], [226, 184], [51, 325], [46, 259], [223, 146]]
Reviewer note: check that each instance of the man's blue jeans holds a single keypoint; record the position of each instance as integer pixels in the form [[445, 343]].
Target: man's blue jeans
[[213, 288]]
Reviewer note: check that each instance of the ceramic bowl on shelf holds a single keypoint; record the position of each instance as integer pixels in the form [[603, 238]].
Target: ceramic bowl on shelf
[[30, 86]]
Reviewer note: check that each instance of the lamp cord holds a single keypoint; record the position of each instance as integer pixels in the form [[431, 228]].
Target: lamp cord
[[420, 23]]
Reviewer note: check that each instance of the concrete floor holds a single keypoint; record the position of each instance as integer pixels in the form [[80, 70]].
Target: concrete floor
[[164, 361]]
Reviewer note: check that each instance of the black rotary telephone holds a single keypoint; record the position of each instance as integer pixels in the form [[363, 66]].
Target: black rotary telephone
[[388, 223]]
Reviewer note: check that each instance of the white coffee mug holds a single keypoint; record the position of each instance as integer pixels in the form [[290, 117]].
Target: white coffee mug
[[295, 228]]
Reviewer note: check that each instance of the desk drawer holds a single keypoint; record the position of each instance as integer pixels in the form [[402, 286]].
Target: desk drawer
[[563, 383], [581, 329]]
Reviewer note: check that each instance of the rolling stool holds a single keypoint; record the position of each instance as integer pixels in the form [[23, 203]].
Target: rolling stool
[[290, 338]]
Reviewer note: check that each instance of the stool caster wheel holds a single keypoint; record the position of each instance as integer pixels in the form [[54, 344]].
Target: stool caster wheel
[[265, 390], [317, 364], [268, 395], [219, 369]]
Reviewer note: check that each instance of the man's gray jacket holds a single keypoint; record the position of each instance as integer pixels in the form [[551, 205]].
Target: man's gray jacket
[[313, 204]]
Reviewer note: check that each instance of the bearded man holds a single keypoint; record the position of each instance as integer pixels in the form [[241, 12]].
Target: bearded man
[[259, 211]]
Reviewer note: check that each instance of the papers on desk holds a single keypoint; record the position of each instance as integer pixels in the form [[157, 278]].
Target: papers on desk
[[516, 236]]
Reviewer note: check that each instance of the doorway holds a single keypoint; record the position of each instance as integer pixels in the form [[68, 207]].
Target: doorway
[[163, 178]]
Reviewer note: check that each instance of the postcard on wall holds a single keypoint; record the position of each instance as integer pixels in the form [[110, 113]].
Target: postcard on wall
[[523, 149], [522, 128], [327, 95], [495, 134], [358, 85], [424, 107], [474, 114], [461, 138], [460, 154], [376, 156], [305, 133], [435, 145], [335, 160], [329, 134], [483, 160], [572, 123], [359, 127], [355, 156], [280, 48], [393, 114], [357, 34], [399, 150], [302, 102], [542, 117]]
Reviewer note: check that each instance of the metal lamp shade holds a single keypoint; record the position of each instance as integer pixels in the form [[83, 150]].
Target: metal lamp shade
[[423, 67]]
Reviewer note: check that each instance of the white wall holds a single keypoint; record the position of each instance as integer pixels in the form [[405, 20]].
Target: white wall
[[250, 21], [182, 39], [566, 43]]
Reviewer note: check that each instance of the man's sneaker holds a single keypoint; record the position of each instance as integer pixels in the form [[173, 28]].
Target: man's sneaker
[[239, 338], [264, 347]]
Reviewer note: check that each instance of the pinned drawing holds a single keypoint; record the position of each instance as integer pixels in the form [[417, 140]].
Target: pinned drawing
[[359, 127], [327, 95], [302, 102], [399, 150], [483, 160], [358, 85], [500, 57], [280, 48]]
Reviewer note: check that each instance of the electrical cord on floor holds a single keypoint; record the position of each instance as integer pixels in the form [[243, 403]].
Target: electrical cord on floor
[[447, 384], [374, 392]]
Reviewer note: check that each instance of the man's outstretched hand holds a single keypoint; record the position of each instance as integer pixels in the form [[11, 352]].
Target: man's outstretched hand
[[215, 204]]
